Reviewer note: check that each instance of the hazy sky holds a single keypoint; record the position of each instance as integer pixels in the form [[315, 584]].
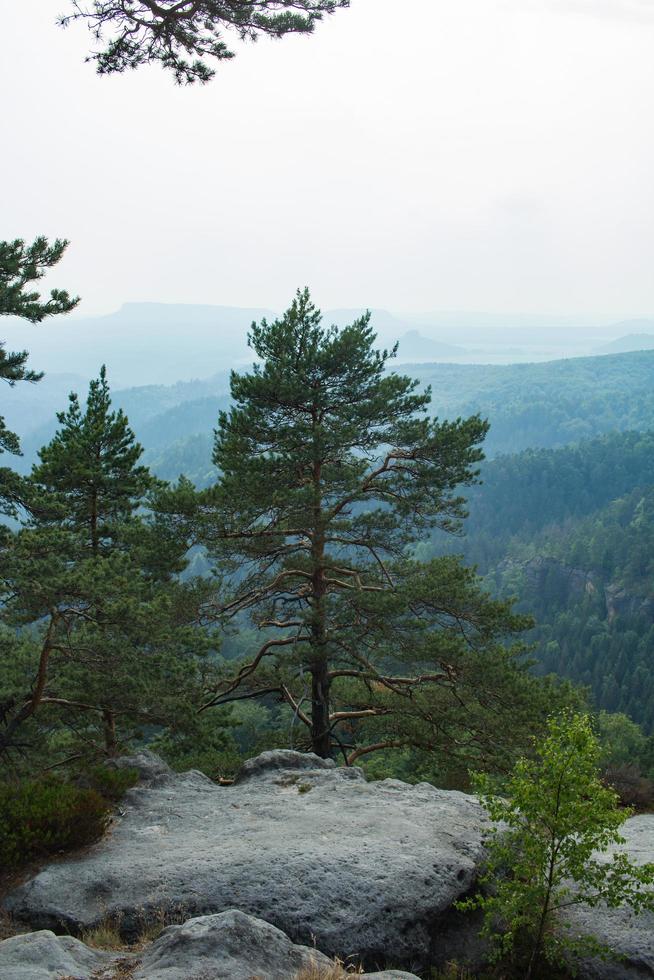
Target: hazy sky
[[413, 154]]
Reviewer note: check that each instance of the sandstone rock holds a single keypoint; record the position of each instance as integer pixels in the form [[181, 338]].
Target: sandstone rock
[[629, 935], [44, 956], [268, 765], [150, 767], [227, 946], [232, 946], [365, 869]]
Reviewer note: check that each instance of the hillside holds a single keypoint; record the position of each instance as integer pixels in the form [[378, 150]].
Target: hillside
[[571, 533], [542, 405], [529, 405]]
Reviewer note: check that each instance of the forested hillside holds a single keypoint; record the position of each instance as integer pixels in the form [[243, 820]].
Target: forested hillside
[[546, 405], [529, 405], [571, 533]]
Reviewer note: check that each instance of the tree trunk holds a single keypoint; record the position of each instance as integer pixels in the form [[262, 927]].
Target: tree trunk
[[109, 721], [321, 742]]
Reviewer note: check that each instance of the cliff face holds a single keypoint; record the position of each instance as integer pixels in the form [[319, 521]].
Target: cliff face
[[619, 602], [546, 575]]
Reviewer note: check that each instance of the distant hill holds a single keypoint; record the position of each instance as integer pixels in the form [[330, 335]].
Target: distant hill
[[414, 347], [528, 405], [543, 405], [162, 343], [631, 342], [145, 344], [141, 343]]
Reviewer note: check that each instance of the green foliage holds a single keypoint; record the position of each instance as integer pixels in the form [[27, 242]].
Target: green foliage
[[329, 469], [89, 475], [112, 784], [20, 265], [39, 818], [108, 635], [545, 847], [141, 32], [621, 740]]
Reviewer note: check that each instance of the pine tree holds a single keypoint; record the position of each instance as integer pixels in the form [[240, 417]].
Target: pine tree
[[20, 265], [330, 472], [90, 470], [91, 582], [142, 32]]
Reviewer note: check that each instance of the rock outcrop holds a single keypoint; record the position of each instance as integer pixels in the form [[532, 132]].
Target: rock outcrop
[[619, 602], [229, 946], [629, 935], [363, 869], [350, 868]]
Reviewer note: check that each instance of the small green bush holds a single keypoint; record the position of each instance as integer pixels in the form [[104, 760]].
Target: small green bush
[[41, 817], [112, 784]]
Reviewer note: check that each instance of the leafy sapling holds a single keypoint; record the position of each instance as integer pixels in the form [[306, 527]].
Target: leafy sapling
[[552, 847]]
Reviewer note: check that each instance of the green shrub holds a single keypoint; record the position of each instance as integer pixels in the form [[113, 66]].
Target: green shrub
[[112, 784], [38, 818]]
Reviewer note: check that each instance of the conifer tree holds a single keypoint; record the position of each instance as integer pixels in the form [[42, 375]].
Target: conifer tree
[[21, 265], [90, 470], [142, 32], [330, 472], [91, 583]]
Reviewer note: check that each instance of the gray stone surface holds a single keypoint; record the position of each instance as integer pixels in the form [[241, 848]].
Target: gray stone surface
[[227, 946], [628, 934], [150, 767], [367, 869], [44, 956]]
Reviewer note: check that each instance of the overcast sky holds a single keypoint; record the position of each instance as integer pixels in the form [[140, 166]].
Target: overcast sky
[[416, 155]]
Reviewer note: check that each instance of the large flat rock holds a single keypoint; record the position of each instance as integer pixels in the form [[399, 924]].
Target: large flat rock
[[356, 868]]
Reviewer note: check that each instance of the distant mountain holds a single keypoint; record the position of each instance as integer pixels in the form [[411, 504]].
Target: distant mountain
[[631, 342], [141, 343], [414, 347]]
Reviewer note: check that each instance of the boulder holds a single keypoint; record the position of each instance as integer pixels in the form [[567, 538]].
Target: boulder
[[360, 869], [227, 946], [44, 956], [150, 767], [628, 935]]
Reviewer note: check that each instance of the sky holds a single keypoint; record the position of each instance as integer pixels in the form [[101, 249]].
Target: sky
[[491, 155]]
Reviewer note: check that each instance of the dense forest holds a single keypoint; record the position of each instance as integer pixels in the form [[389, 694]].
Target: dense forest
[[530, 406], [570, 532]]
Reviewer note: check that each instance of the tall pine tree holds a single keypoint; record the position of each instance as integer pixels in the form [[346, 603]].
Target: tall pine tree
[[330, 472]]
